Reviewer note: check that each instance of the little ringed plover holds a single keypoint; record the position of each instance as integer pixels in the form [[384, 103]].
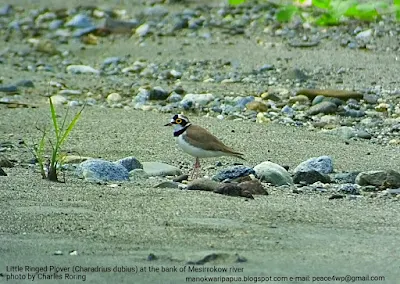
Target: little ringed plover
[[198, 142]]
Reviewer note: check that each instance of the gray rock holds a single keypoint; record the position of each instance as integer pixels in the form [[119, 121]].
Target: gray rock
[[130, 163], [101, 170], [174, 98], [157, 11], [55, 25], [322, 164], [295, 74], [160, 169], [112, 61], [233, 173], [345, 177], [310, 177], [384, 179], [273, 173], [241, 102], [326, 107], [138, 175], [85, 31], [349, 188], [347, 132], [197, 99], [364, 35], [394, 191], [318, 99], [79, 21], [82, 69], [143, 30], [6, 10], [203, 184]]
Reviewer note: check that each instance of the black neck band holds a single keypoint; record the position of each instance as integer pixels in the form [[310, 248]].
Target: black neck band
[[179, 132]]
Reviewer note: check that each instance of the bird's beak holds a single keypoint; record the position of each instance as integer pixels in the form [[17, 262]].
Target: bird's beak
[[168, 124]]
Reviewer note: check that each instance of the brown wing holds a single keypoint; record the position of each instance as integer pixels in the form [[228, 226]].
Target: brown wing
[[200, 137]]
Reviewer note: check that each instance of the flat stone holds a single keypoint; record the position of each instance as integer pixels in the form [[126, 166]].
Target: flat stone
[[203, 184], [82, 69], [167, 184], [160, 169]]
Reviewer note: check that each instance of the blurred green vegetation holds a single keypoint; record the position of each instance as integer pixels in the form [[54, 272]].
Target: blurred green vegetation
[[333, 12]]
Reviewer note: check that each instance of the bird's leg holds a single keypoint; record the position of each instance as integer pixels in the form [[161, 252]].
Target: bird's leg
[[196, 169]]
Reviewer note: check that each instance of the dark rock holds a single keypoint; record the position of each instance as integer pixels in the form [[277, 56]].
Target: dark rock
[[181, 178], [5, 163], [9, 89], [233, 173], [2, 172], [209, 258], [25, 83], [336, 196], [158, 93], [253, 187], [203, 184], [232, 189], [167, 184], [240, 258], [310, 177], [152, 257]]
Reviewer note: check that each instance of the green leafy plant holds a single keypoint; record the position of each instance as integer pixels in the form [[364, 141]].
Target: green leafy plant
[[49, 170], [396, 4], [333, 12], [236, 2]]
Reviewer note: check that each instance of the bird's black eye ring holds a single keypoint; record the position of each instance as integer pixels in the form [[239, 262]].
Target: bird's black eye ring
[[178, 121]]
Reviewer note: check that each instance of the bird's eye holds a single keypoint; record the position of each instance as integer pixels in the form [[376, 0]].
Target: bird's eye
[[178, 121]]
